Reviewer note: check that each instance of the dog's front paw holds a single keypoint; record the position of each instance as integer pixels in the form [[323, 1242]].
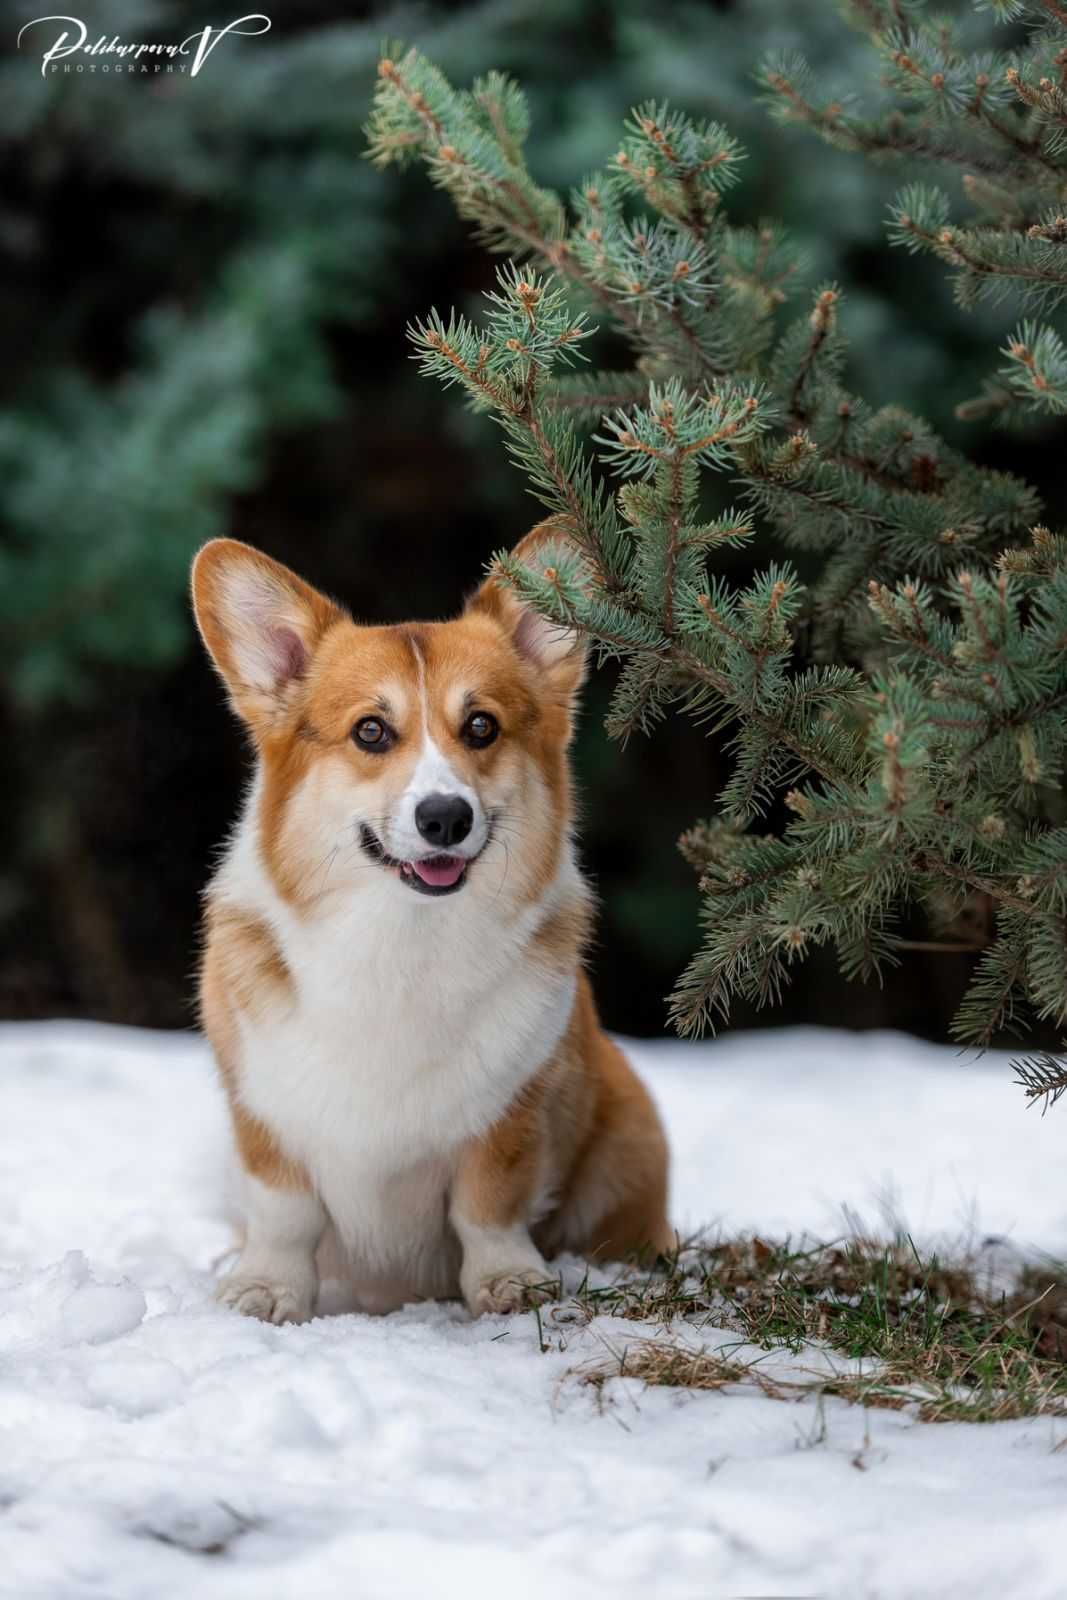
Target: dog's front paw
[[266, 1299], [507, 1292]]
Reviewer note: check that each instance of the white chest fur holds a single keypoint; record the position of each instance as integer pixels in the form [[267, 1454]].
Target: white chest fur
[[413, 1024]]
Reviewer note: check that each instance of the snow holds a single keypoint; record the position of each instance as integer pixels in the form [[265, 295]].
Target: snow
[[153, 1445]]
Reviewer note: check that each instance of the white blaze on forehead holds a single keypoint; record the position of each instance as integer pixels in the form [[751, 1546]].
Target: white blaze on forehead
[[433, 773]]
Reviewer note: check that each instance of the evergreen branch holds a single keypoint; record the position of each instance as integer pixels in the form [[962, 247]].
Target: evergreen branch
[[822, 322], [571, 499], [1042, 1078], [813, 758], [488, 197], [674, 509], [998, 981], [990, 256], [930, 864], [894, 137], [596, 393], [1037, 373]]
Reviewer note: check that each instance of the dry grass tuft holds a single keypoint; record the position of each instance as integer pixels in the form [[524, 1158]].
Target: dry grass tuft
[[937, 1338], [665, 1364]]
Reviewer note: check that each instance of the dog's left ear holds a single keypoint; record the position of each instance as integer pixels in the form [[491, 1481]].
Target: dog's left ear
[[559, 655]]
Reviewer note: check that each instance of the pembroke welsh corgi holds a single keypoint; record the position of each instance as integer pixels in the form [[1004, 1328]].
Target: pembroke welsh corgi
[[420, 1092]]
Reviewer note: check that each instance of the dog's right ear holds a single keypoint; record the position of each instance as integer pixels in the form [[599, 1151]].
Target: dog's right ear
[[261, 624], [557, 654]]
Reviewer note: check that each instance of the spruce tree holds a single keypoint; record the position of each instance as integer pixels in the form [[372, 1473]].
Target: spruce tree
[[899, 712]]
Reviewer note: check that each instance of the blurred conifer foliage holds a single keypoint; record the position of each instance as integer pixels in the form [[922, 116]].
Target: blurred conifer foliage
[[903, 703], [998, 117]]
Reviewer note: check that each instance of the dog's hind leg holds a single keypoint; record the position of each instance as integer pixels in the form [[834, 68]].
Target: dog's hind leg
[[615, 1202]]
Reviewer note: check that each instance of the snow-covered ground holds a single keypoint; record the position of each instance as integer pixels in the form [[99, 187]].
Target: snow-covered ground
[[153, 1445]]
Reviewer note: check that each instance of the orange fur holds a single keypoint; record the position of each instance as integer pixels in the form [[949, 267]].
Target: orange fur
[[243, 969], [585, 1129]]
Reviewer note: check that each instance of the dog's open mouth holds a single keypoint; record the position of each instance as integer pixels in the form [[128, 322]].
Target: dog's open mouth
[[440, 874]]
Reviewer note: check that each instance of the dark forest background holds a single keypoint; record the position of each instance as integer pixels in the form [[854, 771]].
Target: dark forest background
[[204, 290]]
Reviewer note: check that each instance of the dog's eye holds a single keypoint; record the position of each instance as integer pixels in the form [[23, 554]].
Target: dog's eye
[[371, 733], [480, 729]]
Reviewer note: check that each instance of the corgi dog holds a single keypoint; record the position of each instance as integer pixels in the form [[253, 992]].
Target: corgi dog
[[422, 1100]]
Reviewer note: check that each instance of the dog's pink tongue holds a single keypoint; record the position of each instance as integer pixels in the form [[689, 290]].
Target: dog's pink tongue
[[440, 872]]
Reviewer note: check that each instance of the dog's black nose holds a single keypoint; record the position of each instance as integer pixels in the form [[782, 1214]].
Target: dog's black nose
[[443, 819]]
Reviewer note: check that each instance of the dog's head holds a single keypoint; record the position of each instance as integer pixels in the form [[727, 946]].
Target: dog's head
[[414, 750]]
